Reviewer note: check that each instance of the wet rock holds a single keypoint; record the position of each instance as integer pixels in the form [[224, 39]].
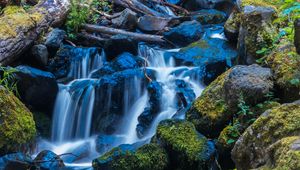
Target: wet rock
[[297, 35], [105, 143], [213, 110], [209, 16], [47, 160], [176, 2], [184, 93], [79, 152], [16, 161], [110, 91], [286, 72], [40, 53], [119, 44], [43, 124], [122, 62], [186, 148], [54, 40], [256, 32], [126, 20], [33, 85], [152, 24], [155, 101], [185, 33], [194, 5], [250, 151], [149, 156], [212, 55], [17, 127]]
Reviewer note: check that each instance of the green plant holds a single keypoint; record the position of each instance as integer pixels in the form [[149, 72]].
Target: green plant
[[7, 80]]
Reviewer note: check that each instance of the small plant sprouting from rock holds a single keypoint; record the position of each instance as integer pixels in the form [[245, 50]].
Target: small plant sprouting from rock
[[7, 80]]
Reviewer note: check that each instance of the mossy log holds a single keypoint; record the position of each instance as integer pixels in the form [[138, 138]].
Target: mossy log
[[20, 28]]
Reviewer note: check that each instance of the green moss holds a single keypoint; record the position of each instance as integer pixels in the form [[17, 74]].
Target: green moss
[[17, 126], [283, 156], [200, 44], [210, 109], [227, 138], [182, 138], [149, 156], [233, 22], [14, 18], [265, 3]]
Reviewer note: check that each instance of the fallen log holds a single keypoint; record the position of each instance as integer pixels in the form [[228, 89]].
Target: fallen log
[[20, 28], [133, 35]]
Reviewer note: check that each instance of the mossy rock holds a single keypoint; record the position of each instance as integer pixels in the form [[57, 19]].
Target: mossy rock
[[232, 26], [15, 18], [283, 155], [284, 62], [149, 156], [218, 103], [263, 3], [186, 148], [275, 124], [17, 126], [43, 124]]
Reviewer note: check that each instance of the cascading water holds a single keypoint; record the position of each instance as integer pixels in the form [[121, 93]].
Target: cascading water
[[75, 103]]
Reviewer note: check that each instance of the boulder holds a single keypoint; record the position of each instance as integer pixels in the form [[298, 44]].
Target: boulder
[[284, 62], [185, 33], [194, 5], [54, 40], [232, 26], [149, 23], [17, 127], [119, 44], [34, 85], [40, 54], [15, 161], [212, 56], [297, 35], [126, 20], [250, 151], [187, 149], [214, 109], [185, 94], [105, 143], [149, 156], [209, 16], [43, 124], [47, 160]]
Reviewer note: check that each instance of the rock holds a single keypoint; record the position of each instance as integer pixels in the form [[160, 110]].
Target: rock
[[81, 151], [284, 62], [126, 20], [149, 114], [54, 40], [149, 156], [185, 93], [256, 32], [185, 33], [250, 151], [186, 148], [119, 44], [110, 92], [213, 110], [232, 26], [17, 127], [15, 161], [32, 2], [212, 55], [43, 124], [40, 53], [297, 35], [194, 5], [33, 85], [284, 154], [209, 16], [49, 160], [105, 143], [123, 62], [3, 3], [175, 2], [152, 23]]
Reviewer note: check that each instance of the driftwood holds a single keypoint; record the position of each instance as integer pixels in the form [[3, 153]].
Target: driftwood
[[137, 6], [133, 35], [19, 31]]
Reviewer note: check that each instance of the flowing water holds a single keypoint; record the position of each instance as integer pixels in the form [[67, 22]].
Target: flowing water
[[74, 108]]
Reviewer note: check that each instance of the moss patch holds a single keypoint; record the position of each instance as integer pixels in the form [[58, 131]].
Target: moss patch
[[14, 18], [17, 126], [149, 156]]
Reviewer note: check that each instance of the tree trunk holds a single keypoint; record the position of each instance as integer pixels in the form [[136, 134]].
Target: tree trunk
[[19, 29]]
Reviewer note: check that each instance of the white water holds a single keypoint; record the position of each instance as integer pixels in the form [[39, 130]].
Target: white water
[[73, 111]]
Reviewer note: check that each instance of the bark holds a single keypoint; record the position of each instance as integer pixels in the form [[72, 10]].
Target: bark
[[18, 34], [133, 35]]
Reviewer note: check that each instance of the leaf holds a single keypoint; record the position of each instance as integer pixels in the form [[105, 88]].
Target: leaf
[[230, 141]]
